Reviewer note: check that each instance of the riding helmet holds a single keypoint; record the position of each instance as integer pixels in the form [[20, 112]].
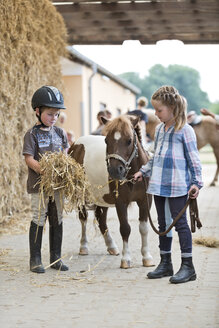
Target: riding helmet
[[48, 96]]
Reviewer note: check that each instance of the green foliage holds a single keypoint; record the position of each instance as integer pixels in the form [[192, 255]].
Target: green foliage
[[185, 79], [214, 108]]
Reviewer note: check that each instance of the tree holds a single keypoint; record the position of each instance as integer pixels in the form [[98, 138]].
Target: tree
[[215, 108], [185, 79]]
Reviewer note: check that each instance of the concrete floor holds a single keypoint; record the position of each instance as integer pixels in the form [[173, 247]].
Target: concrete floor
[[95, 292]]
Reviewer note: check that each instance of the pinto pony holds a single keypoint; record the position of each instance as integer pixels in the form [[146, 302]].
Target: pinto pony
[[125, 155]]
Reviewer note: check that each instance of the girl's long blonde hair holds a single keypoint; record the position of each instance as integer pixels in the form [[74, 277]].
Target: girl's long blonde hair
[[169, 96]]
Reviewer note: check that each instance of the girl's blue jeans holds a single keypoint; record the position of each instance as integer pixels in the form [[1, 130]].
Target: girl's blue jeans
[[167, 210]]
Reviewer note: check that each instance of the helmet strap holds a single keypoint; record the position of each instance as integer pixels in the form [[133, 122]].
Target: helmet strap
[[39, 118]]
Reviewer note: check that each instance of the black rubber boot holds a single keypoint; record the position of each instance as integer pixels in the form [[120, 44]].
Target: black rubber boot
[[35, 241], [185, 273], [55, 242], [164, 269]]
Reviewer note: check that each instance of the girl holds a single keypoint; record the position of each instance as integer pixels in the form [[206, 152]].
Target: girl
[[174, 171]]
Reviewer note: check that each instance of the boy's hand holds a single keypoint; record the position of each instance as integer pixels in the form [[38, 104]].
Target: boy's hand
[[138, 176]]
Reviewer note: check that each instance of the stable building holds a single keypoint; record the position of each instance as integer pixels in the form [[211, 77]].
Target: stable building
[[89, 88]]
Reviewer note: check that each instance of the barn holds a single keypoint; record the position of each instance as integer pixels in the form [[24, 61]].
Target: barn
[[94, 292], [34, 35], [90, 88]]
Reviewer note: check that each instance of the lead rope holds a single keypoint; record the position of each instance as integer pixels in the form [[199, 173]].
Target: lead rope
[[194, 215]]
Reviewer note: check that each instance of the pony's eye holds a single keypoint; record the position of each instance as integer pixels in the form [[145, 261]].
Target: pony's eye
[[129, 142]]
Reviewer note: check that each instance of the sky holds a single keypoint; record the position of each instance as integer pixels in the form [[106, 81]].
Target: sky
[[134, 57]]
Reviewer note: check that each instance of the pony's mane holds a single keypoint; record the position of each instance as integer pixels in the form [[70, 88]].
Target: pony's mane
[[123, 124]]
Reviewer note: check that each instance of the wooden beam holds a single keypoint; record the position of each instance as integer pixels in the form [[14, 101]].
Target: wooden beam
[[192, 21], [159, 7], [93, 1], [165, 19], [144, 39]]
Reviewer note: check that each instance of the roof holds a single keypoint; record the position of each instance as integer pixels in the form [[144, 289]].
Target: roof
[[112, 22], [78, 57]]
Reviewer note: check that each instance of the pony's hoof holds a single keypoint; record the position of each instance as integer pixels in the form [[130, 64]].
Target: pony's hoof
[[212, 184], [83, 251], [113, 251], [125, 264], [148, 263]]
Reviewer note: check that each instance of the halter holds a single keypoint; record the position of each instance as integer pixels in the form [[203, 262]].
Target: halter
[[121, 159]]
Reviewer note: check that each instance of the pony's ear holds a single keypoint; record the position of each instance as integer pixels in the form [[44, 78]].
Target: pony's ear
[[104, 120], [134, 120]]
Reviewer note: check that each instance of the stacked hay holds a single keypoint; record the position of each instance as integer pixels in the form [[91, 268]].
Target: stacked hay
[[33, 37]]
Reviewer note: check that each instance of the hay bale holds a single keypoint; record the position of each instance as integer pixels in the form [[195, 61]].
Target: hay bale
[[61, 172], [33, 37]]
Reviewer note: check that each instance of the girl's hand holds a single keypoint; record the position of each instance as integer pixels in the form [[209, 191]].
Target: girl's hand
[[138, 176], [196, 192]]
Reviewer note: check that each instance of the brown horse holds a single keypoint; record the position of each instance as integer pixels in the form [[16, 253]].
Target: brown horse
[[206, 133], [153, 121], [125, 156]]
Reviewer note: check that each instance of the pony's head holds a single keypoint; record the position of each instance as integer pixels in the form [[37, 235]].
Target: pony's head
[[121, 144]]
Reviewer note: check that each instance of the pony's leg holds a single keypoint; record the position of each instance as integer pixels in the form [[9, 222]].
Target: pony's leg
[[216, 174], [83, 242], [125, 231], [147, 259], [101, 215], [216, 154], [213, 183]]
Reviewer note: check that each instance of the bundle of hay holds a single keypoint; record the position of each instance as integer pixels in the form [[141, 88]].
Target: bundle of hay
[[206, 241], [61, 172]]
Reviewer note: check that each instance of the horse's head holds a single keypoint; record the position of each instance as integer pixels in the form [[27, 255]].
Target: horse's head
[[121, 145]]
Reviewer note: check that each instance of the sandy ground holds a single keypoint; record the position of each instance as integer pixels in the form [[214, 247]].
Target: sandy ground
[[95, 292]]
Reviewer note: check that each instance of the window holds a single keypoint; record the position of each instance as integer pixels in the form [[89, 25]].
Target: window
[[105, 78]]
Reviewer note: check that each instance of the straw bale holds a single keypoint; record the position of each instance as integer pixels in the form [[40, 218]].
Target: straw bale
[[61, 172], [33, 37]]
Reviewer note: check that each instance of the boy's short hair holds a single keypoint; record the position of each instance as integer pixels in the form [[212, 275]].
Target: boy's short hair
[[43, 108]]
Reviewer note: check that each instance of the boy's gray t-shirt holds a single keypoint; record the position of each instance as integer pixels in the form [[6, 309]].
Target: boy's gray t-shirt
[[36, 143]]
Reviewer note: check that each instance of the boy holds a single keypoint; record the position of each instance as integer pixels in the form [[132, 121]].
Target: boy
[[44, 136]]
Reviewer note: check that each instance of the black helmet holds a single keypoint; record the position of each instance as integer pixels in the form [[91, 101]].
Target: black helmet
[[48, 96]]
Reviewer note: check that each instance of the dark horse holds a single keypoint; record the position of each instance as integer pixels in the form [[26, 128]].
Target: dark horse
[[125, 156]]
